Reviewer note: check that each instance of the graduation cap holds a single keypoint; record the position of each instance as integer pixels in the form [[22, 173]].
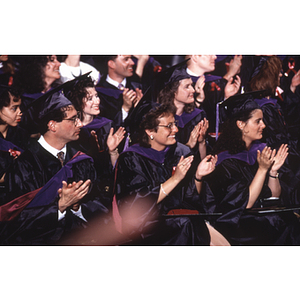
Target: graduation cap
[[238, 103], [136, 115], [235, 105], [171, 74], [52, 102], [174, 73], [71, 84]]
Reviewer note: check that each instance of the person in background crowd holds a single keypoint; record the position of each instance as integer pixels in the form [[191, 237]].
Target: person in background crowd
[[72, 67], [36, 76], [246, 176], [67, 200], [97, 137], [192, 123], [154, 177], [8, 69], [216, 88]]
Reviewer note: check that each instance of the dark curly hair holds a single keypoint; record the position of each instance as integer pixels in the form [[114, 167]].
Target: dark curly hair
[[267, 77], [167, 96], [5, 99], [31, 76], [151, 120], [79, 92], [57, 115], [231, 137]]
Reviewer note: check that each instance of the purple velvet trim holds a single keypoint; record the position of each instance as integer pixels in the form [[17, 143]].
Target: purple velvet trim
[[49, 192], [217, 119], [158, 156], [109, 92], [210, 78], [246, 156], [6, 145], [33, 96], [97, 123], [186, 117], [263, 101]]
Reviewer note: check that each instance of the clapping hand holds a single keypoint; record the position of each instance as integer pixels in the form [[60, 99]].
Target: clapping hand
[[202, 130], [265, 158], [206, 166], [182, 167], [232, 86], [70, 194], [113, 140], [280, 158]]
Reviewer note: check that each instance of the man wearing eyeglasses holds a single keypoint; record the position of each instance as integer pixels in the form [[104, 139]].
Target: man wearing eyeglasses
[[47, 221]]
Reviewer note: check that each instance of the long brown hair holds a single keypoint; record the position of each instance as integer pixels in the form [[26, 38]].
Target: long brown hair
[[267, 77]]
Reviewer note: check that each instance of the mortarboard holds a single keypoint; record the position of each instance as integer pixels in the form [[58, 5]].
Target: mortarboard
[[71, 84], [171, 74], [52, 102], [136, 115], [238, 103], [174, 73], [234, 105]]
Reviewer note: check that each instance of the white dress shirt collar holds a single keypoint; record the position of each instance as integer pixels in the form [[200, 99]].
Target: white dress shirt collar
[[115, 83], [191, 72], [51, 149]]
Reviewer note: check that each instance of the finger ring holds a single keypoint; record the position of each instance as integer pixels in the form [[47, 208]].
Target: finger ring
[[183, 164]]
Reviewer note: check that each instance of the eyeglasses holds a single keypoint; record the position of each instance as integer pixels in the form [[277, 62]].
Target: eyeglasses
[[170, 125], [76, 119]]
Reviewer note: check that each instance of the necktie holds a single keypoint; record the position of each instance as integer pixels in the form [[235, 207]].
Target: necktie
[[121, 86], [60, 156]]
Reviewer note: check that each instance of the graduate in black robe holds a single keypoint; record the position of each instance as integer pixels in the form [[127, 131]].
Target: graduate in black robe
[[13, 139], [97, 137], [216, 88], [153, 178], [10, 117], [119, 94], [192, 123], [245, 176], [37, 75], [73, 203], [267, 76]]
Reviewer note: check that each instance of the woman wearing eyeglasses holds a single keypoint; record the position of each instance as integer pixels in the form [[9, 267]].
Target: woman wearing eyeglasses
[[157, 176], [192, 122]]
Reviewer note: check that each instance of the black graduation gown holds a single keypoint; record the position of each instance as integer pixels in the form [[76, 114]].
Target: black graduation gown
[[6, 160], [112, 100], [291, 109], [275, 134], [102, 161], [186, 124], [16, 139], [39, 225], [140, 171], [30, 110], [227, 192], [18, 136], [214, 93]]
